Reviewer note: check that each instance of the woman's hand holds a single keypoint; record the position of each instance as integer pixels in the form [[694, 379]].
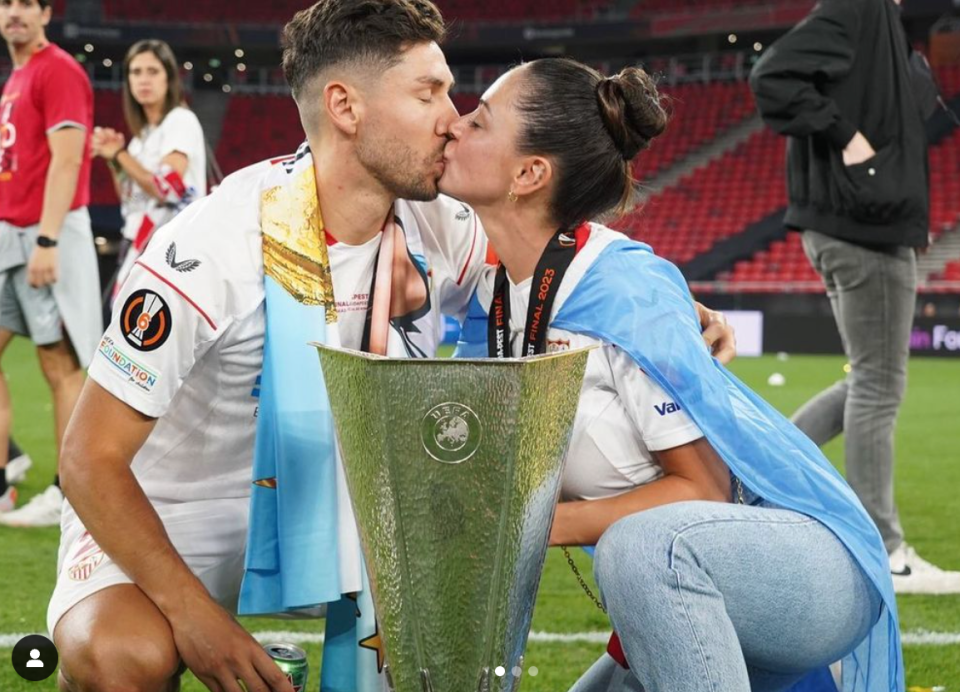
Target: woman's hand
[[107, 142], [718, 335]]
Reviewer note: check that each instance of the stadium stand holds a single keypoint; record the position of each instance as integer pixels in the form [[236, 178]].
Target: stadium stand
[[785, 261], [518, 10], [945, 184], [952, 271], [276, 125], [948, 78], [257, 128], [280, 11], [203, 11], [108, 112], [714, 202], [647, 7], [718, 200], [699, 113]]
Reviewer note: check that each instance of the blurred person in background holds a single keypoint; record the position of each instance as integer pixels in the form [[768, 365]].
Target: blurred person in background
[[843, 87], [18, 463], [49, 281], [164, 167]]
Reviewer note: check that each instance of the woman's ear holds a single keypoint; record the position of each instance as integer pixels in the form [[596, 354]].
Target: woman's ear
[[341, 107], [535, 174]]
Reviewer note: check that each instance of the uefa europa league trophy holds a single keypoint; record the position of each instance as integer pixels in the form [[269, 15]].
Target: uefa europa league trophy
[[454, 471]]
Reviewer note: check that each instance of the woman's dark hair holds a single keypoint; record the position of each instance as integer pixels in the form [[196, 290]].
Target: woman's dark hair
[[592, 127], [133, 112]]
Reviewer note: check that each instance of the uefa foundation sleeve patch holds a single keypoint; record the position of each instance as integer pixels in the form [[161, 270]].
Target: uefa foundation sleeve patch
[[145, 320]]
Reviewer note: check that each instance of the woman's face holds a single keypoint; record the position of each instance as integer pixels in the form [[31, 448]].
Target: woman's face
[[481, 159], [148, 79]]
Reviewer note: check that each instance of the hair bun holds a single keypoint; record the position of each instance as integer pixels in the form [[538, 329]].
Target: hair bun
[[631, 110]]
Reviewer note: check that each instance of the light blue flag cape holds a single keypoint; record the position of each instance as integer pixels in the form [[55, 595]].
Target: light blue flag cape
[[641, 303], [294, 537]]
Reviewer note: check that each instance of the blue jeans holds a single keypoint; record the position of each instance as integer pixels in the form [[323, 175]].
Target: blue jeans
[[726, 598]]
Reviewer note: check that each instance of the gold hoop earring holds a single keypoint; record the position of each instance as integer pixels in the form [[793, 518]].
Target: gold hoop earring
[[512, 196]]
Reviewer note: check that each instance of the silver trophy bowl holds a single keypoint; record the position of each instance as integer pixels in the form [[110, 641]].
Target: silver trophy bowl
[[454, 471]]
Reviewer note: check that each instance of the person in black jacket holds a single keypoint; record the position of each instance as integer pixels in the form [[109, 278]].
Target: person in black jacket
[[841, 87]]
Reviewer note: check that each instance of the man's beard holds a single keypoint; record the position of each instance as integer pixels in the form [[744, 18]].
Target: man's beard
[[396, 166]]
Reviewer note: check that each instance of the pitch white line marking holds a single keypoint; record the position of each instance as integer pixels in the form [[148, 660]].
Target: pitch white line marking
[[914, 638]]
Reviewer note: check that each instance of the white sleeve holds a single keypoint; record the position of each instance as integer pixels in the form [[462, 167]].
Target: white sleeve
[[155, 336], [660, 420], [181, 296], [182, 132], [456, 248]]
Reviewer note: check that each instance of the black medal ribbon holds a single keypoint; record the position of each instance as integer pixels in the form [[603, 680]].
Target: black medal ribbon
[[548, 275]]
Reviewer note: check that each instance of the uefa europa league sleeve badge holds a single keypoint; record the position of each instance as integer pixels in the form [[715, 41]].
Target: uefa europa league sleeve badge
[[454, 469]]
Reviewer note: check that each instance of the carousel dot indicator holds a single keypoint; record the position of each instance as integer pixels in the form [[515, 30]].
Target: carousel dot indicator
[[500, 670]]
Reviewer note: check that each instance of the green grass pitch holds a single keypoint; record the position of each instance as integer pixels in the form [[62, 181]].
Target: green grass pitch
[[928, 492]]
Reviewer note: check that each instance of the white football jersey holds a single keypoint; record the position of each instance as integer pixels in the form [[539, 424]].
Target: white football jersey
[[623, 415], [185, 344]]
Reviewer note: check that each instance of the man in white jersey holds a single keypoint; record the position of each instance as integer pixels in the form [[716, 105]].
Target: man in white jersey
[[157, 461]]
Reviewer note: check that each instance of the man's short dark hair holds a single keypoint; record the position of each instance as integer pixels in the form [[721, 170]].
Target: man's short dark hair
[[376, 32], [44, 4]]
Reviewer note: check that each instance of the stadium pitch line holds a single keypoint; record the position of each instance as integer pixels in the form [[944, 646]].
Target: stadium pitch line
[[911, 638]]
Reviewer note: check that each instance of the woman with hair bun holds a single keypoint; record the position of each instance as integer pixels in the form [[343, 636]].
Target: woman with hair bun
[[730, 554]]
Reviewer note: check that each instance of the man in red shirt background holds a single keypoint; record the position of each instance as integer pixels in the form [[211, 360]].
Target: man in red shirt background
[[49, 283]]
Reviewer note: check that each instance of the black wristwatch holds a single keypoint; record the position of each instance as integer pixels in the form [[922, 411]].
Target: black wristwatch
[[44, 241]]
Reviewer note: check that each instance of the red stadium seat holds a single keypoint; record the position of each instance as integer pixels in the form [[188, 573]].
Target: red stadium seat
[[257, 128], [714, 202], [107, 112], [699, 113], [280, 11], [650, 7]]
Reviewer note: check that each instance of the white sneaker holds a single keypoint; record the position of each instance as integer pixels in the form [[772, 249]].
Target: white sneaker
[[17, 468], [42, 510], [912, 574], [8, 500]]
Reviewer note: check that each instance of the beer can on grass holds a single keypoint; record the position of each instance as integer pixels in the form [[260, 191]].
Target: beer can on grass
[[292, 660]]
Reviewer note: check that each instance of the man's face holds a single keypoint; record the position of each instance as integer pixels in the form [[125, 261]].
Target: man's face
[[406, 120], [22, 21]]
